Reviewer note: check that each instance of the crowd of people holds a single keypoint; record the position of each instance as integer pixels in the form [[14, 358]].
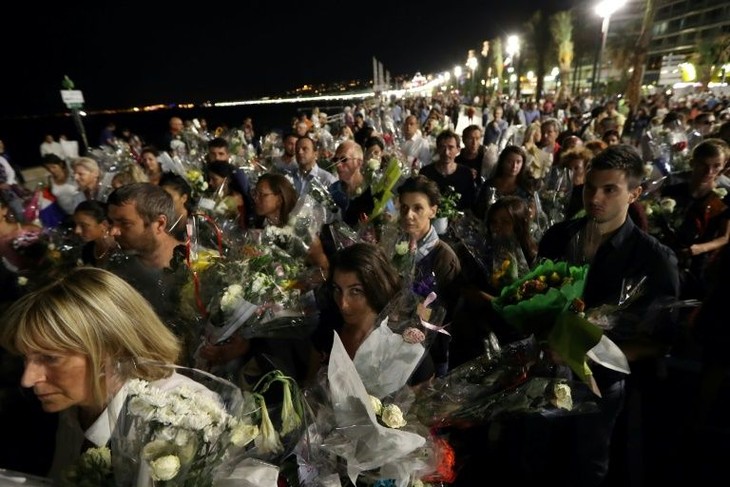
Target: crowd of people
[[641, 199]]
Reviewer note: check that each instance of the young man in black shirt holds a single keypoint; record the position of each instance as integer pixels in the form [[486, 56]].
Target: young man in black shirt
[[617, 252]]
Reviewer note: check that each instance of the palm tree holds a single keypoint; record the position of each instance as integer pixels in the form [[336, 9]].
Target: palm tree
[[538, 35], [561, 28], [498, 62], [633, 90], [710, 54]]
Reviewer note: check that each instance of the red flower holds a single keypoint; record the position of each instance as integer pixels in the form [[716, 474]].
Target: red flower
[[447, 459], [680, 146]]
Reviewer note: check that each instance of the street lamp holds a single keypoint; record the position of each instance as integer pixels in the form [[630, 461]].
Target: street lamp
[[513, 51], [472, 62], [604, 9]]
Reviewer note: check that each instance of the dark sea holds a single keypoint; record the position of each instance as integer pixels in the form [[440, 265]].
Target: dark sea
[[23, 136]]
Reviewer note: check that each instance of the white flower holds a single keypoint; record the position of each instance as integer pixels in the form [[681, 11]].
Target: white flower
[[165, 468], [667, 204], [401, 248], [290, 420], [22, 281], [376, 405], [99, 457], [392, 416], [648, 170], [231, 295], [649, 210], [243, 433], [563, 398], [373, 164], [721, 192], [268, 441]]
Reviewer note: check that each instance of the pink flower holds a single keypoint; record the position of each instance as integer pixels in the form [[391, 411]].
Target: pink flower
[[413, 335]]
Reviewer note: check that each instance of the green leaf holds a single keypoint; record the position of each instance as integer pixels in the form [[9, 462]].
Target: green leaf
[[571, 338]]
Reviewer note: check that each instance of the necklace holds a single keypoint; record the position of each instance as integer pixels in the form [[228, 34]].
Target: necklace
[[106, 251]]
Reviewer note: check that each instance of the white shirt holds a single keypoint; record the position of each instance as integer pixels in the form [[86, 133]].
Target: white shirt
[[52, 148], [9, 172], [418, 147]]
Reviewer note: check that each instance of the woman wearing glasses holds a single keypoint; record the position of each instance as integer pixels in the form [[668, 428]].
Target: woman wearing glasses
[[274, 198]]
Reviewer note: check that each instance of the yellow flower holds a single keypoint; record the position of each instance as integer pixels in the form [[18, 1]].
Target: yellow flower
[[204, 258]]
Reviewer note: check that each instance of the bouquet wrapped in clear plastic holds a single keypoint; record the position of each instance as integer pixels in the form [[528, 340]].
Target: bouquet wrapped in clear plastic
[[362, 436], [543, 304], [196, 429], [500, 382], [257, 293]]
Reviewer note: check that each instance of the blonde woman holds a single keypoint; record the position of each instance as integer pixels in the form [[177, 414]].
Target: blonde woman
[[87, 176], [538, 162], [75, 336]]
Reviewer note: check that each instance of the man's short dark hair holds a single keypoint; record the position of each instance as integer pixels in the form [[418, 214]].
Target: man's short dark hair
[[150, 200], [712, 147], [623, 157], [218, 142]]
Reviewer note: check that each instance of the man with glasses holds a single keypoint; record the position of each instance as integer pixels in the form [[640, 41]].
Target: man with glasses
[[350, 191]]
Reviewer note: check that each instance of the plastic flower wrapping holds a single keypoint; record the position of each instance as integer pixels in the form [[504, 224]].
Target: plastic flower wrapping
[[492, 262], [365, 431], [669, 148], [553, 197], [546, 303], [256, 293], [111, 159], [46, 253], [662, 217], [202, 431], [503, 381], [314, 208]]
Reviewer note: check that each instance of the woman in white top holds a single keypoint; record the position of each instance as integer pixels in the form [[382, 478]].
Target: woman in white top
[[61, 181], [73, 334]]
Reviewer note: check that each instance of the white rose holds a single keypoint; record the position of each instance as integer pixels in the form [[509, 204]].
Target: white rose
[[392, 416], [22, 281], [721, 192], [649, 211], [667, 204], [401, 248], [376, 405], [165, 468], [373, 164], [231, 296], [563, 398], [648, 170]]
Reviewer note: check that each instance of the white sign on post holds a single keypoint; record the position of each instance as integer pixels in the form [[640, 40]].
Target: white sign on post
[[72, 98]]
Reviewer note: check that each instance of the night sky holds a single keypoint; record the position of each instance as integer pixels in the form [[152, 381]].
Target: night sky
[[133, 53]]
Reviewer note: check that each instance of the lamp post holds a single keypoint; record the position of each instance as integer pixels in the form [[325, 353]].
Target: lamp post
[[457, 77], [472, 63], [513, 51], [604, 9]]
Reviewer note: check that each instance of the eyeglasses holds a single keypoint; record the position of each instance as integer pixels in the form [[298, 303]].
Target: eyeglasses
[[258, 194], [341, 160]]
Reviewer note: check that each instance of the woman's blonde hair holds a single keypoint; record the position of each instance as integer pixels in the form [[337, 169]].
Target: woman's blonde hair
[[93, 312], [88, 163]]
